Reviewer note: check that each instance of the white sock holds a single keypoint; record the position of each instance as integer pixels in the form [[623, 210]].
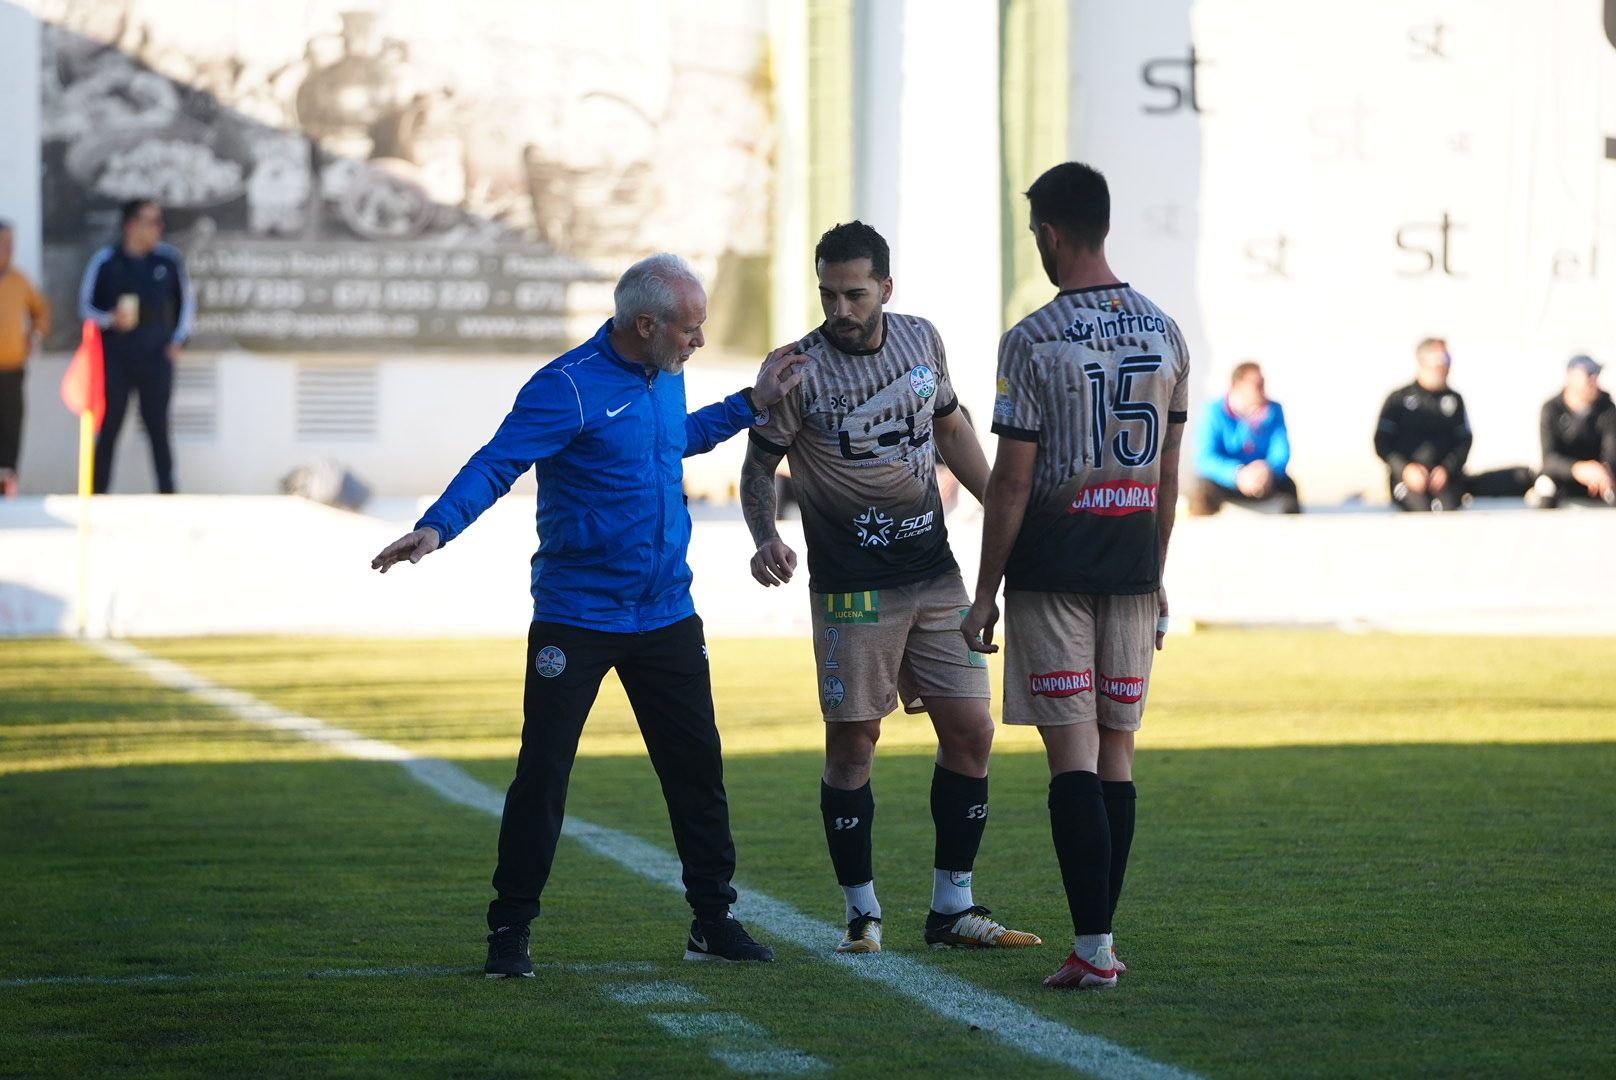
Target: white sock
[[1095, 949], [861, 901], [951, 891]]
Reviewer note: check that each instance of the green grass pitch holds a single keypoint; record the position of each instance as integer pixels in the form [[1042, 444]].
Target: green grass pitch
[[1357, 856]]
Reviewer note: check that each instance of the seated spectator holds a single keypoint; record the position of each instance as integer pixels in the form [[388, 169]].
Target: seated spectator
[[1242, 450], [1579, 442], [1424, 435]]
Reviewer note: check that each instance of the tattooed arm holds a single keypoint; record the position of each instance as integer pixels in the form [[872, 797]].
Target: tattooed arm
[[774, 561]]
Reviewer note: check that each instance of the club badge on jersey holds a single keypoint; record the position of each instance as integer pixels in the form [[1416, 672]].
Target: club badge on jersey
[[923, 381]]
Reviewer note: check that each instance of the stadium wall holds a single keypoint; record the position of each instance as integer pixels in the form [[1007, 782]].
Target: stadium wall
[[192, 565]]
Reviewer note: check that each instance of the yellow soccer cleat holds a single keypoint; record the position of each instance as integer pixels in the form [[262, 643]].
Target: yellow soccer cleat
[[863, 935], [972, 929]]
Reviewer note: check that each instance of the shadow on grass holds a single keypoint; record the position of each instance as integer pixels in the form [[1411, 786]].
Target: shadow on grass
[[1291, 912]]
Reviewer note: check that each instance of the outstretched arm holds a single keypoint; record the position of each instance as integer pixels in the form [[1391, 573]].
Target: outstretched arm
[[706, 428], [413, 546], [547, 415]]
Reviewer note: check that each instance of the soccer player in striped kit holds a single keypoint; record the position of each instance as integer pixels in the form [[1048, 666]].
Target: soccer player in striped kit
[[863, 431], [1092, 393]]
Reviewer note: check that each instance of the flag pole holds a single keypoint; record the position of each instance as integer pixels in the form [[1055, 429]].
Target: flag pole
[[81, 607]]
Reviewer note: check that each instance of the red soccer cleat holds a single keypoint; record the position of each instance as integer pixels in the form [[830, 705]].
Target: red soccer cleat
[[1079, 974]]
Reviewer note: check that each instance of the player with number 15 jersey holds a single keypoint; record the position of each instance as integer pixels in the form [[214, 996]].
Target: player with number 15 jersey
[[1090, 408]]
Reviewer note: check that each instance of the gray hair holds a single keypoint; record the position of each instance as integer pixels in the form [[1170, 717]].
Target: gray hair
[[651, 287]]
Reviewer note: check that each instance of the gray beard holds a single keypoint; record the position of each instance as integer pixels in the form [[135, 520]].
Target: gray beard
[[668, 362]]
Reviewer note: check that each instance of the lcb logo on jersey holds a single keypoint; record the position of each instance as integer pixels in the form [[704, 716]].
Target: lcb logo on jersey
[[834, 692], [1062, 683], [550, 662], [924, 381]]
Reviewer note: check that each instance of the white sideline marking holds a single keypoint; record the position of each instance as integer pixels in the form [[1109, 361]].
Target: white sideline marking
[[769, 1062], [947, 995], [653, 993], [700, 1025], [761, 1058]]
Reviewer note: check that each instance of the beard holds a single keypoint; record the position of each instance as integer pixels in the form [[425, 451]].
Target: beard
[[1048, 259], [667, 358], [852, 336]]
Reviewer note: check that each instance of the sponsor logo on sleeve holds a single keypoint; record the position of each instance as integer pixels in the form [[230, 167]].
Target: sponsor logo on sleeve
[[1114, 498], [833, 692], [1126, 689], [1061, 683], [923, 381], [550, 661]]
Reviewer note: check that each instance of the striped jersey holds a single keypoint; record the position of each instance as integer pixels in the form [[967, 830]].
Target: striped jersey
[[1093, 377], [858, 434]]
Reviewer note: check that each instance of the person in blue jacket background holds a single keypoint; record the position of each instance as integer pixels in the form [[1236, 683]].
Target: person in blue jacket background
[[605, 429], [1242, 450], [138, 292]]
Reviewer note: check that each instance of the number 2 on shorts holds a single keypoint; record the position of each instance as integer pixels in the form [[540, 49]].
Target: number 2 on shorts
[[833, 637]]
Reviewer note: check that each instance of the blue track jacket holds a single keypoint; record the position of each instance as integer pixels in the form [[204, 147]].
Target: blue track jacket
[[607, 440], [1228, 441]]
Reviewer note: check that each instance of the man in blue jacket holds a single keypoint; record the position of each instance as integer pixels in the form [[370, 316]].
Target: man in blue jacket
[[1242, 450], [137, 291], [605, 429]]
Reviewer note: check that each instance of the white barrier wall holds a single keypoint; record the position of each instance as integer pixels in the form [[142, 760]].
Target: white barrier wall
[[232, 564]]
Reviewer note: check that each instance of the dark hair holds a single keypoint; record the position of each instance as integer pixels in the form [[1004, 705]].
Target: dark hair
[[1076, 200], [5, 226], [131, 209], [852, 241]]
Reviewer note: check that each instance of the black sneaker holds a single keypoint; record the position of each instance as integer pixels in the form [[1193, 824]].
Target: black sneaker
[[507, 954], [725, 939]]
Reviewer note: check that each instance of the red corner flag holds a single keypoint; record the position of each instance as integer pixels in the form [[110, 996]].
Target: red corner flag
[[84, 387]]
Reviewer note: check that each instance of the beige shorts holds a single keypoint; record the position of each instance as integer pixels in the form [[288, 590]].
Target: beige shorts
[[1073, 658], [871, 648]]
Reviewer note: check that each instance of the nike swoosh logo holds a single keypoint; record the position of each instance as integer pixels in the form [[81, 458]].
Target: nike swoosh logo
[[699, 942], [620, 408]]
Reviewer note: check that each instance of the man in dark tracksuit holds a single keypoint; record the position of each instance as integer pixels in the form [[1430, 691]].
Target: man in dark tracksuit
[[1578, 428], [138, 292], [1424, 435], [605, 429]]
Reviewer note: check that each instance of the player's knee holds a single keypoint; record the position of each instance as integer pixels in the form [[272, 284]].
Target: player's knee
[[849, 753], [967, 750]]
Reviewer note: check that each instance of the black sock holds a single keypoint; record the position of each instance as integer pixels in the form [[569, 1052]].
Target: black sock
[[848, 815], [1120, 799], [959, 811], [1077, 821]]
